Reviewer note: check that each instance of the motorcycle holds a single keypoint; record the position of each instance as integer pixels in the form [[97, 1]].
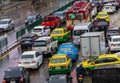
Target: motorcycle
[[80, 79]]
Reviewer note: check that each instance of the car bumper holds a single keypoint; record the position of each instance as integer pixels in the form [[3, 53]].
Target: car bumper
[[33, 66], [59, 71]]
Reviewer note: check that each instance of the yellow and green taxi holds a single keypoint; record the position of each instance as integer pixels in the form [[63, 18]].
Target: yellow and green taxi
[[101, 60], [59, 64], [60, 34], [103, 15]]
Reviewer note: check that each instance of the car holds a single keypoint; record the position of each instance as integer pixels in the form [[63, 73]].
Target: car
[[28, 39], [61, 15], [103, 15], [32, 18], [59, 78], [16, 75], [6, 25], [69, 49], [60, 64], [113, 31], [101, 60], [60, 34], [30, 59], [109, 8], [45, 45], [114, 43], [94, 10], [39, 30]]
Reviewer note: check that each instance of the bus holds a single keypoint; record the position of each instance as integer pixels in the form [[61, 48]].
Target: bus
[[80, 11]]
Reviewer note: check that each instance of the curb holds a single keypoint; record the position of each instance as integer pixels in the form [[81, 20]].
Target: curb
[[20, 5]]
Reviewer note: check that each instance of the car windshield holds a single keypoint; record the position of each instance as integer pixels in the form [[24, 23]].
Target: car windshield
[[39, 43], [26, 39], [27, 56], [57, 32], [79, 32], [65, 49], [59, 14], [116, 40], [102, 15], [31, 17], [37, 30], [58, 60], [3, 22], [92, 59]]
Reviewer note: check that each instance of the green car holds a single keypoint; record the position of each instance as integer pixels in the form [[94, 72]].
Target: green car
[[60, 34]]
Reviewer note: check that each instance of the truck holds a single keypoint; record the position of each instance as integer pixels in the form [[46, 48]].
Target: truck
[[52, 21], [92, 44], [106, 74]]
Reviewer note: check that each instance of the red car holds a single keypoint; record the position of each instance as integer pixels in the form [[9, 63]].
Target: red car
[[52, 22]]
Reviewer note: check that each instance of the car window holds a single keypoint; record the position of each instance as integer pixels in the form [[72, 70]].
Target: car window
[[111, 60], [40, 43], [37, 54], [58, 60], [56, 32], [27, 56], [103, 60], [116, 39]]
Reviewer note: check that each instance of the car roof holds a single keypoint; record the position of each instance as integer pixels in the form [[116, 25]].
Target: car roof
[[108, 55], [36, 27], [5, 19], [58, 76], [29, 52], [43, 38], [59, 55], [115, 36], [57, 29]]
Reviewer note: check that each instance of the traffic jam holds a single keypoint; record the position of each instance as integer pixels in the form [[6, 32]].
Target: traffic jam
[[77, 45]]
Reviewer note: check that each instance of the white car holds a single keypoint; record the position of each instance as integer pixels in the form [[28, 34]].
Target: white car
[[109, 8], [30, 59], [41, 31], [6, 24], [114, 43]]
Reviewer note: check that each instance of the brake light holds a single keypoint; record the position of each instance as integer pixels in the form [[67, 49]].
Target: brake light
[[21, 80], [49, 67], [4, 81], [112, 44], [33, 39], [47, 49], [33, 61], [19, 62]]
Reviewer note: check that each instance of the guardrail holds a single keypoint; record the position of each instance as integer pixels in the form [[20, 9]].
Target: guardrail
[[24, 30]]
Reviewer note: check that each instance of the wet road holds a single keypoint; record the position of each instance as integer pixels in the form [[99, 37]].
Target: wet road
[[39, 76]]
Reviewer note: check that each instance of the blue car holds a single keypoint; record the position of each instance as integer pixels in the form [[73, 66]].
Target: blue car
[[69, 49]]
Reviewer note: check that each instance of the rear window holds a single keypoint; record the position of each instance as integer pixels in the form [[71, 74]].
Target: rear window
[[57, 32], [65, 49], [26, 38], [101, 15], [27, 56], [39, 43], [37, 30], [116, 40], [13, 73], [58, 60]]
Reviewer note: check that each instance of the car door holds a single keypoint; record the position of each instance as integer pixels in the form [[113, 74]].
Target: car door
[[38, 58], [47, 29], [69, 62]]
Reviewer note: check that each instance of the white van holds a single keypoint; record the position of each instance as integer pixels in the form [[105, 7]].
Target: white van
[[79, 29], [109, 8], [40, 30]]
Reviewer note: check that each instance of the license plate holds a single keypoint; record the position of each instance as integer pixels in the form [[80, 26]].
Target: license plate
[[26, 62], [12, 81], [57, 68]]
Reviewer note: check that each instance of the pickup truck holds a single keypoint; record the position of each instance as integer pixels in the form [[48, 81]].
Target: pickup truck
[[52, 21], [45, 45]]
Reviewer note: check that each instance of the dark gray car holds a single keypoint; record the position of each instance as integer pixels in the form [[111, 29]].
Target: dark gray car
[[32, 18]]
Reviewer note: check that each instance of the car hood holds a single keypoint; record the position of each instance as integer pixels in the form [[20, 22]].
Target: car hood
[[3, 25]]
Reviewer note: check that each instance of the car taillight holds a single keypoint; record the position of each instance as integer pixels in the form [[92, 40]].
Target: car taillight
[[112, 44], [81, 76], [47, 49], [49, 67], [19, 62], [33, 61], [4, 81], [33, 39], [21, 80]]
